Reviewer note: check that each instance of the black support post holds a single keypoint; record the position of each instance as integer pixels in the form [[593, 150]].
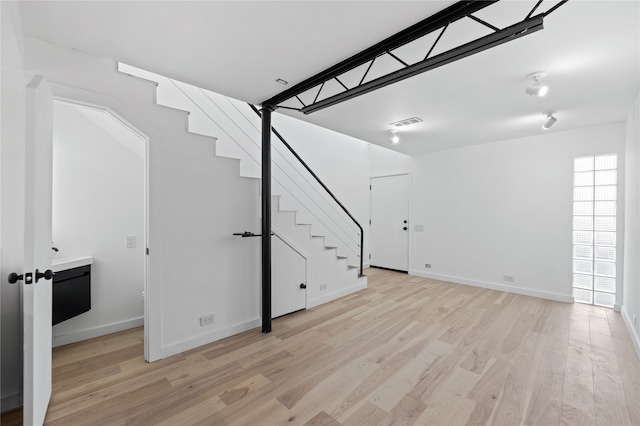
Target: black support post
[[266, 219]]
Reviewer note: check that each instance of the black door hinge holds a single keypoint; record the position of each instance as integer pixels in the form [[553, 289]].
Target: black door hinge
[[147, 251]]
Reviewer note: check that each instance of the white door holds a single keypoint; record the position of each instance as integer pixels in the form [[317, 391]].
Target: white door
[[36, 296], [390, 222], [288, 279]]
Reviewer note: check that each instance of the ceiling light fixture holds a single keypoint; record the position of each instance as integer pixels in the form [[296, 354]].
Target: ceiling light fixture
[[537, 89], [281, 81], [393, 136], [550, 122]]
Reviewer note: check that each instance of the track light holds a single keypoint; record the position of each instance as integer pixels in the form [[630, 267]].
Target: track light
[[537, 88], [393, 136], [550, 122]]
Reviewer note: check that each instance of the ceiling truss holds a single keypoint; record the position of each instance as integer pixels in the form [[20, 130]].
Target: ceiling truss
[[341, 75]]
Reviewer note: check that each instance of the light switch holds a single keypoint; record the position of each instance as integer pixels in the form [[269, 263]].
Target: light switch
[[131, 241]]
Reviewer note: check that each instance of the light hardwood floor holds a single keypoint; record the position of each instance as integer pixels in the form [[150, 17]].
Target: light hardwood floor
[[407, 350]]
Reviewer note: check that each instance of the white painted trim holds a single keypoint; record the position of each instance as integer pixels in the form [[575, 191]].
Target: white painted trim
[[9, 402], [204, 339], [409, 215], [389, 175], [632, 332], [90, 333], [494, 286], [361, 284], [153, 290], [616, 307]]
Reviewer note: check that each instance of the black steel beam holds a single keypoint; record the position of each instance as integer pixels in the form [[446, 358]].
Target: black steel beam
[[266, 219], [452, 13], [513, 32]]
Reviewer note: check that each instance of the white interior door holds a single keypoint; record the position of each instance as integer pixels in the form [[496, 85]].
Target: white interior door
[[390, 222], [36, 296], [288, 279]]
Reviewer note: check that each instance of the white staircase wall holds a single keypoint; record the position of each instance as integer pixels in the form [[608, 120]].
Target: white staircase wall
[[196, 201], [238, 131], [325, 281]]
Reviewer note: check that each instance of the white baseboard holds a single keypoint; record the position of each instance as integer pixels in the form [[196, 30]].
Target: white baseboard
[[494, 286], [78, 336], [9, 402], [632, 331], [204, 339], [360, 284]]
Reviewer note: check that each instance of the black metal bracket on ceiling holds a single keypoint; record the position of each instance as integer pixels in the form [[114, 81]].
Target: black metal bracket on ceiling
[[438, 22]]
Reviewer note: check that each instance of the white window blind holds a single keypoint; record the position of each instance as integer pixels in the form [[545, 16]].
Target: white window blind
[[594, 229]]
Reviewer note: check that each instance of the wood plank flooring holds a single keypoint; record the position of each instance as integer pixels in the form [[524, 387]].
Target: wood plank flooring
[[407, 350]]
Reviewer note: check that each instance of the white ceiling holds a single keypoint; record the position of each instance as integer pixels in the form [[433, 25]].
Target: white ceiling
[[590, 49]]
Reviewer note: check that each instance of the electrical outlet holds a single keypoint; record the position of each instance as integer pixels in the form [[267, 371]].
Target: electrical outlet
[[510, 278], [206, 320], [323, 287], [427, 265], [131, 241], [143, 295]]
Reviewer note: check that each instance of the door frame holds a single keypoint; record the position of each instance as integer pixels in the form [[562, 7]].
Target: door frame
[[146, 228], [410, 219]]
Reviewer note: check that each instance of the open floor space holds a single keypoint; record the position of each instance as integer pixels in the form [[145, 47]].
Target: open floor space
[[407, 350]]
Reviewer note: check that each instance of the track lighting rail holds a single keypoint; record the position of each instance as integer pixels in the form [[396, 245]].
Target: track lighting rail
[[313, 87]]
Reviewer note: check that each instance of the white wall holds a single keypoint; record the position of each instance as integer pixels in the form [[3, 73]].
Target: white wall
[[12, 124], [505, 208], [631, 290], [98, 200], [340, 161], [196, 202], [385, 162]]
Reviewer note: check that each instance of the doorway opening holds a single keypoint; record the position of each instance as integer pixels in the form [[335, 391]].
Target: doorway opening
[[100, 210]]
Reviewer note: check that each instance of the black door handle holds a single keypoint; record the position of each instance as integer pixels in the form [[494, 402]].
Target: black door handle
[[47, 275], [14, 278], [303, 286], [404, 229], [404, 221]]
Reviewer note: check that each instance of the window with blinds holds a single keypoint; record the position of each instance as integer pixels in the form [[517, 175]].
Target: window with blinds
[[594, 229]]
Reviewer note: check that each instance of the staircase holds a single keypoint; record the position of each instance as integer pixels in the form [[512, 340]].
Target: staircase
[[303, 213]]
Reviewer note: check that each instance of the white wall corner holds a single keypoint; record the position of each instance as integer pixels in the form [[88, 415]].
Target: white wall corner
[[90, 333], [632, 332], [566, 298], [205, 339]]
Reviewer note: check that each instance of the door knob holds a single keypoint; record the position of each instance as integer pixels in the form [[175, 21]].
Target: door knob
[[47, 275], [14, 278], [404, 221], [404, 229], [303, 286]]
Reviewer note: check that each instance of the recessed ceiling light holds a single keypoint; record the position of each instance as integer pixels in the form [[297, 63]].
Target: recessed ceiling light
[[281, 81], [406, 122]]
